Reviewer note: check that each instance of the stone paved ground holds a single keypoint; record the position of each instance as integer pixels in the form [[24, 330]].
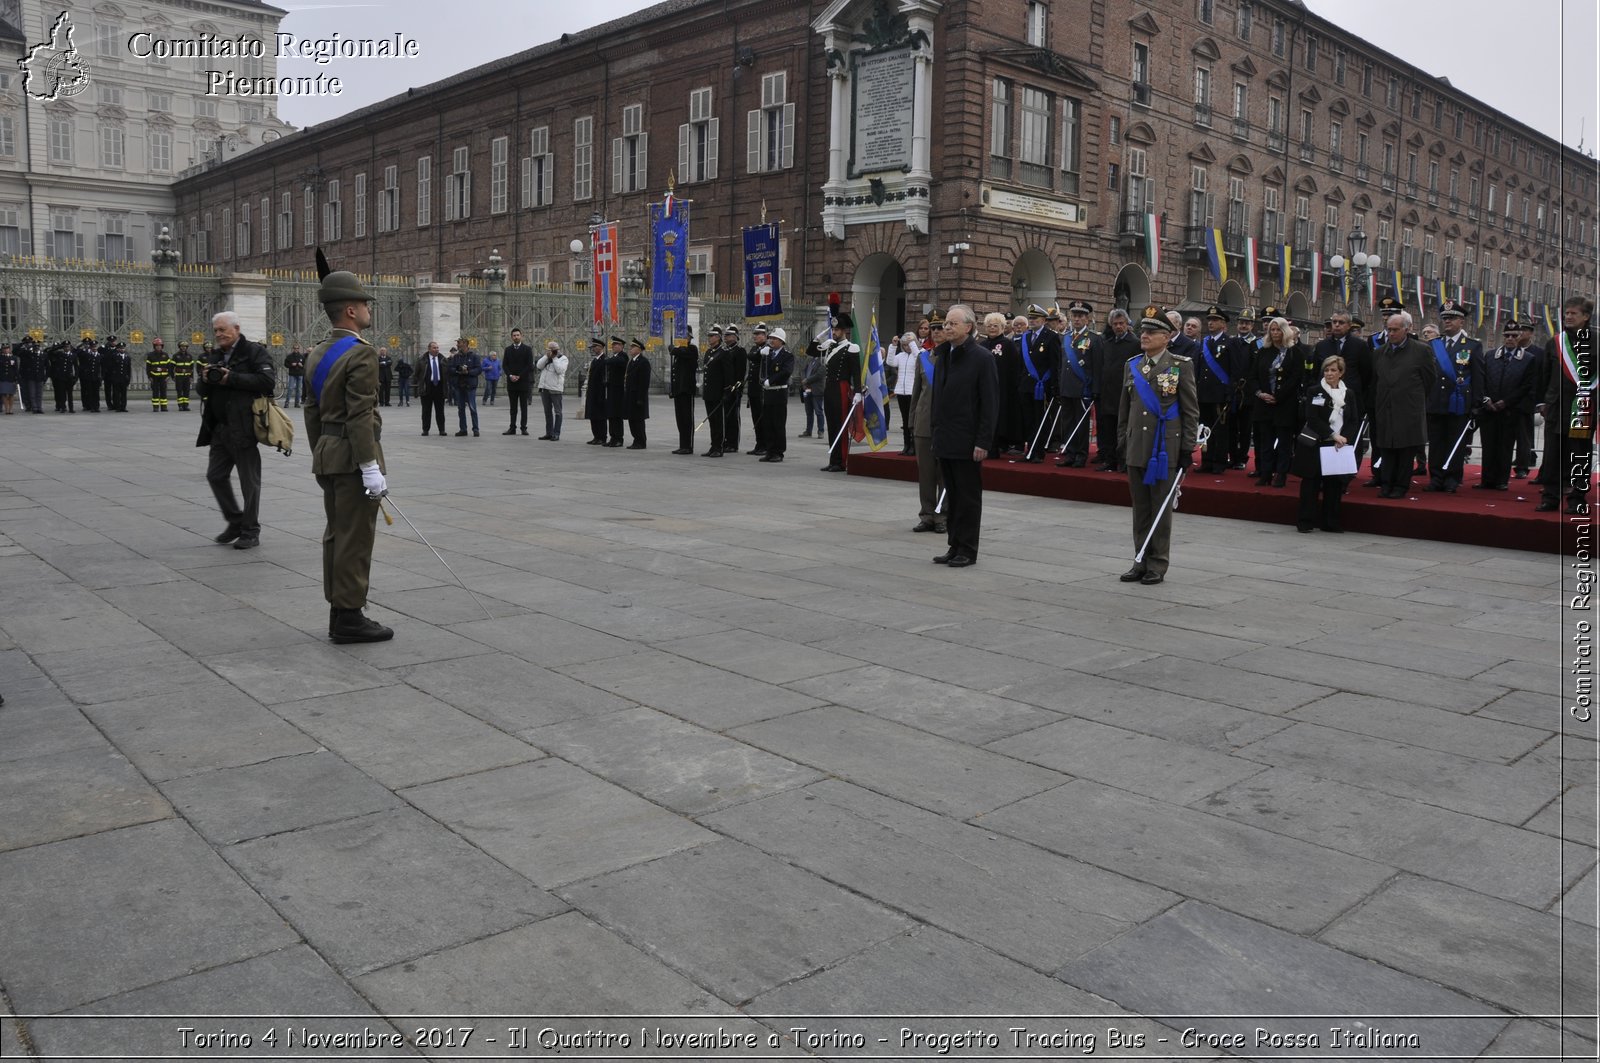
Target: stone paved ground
[[731, 747]]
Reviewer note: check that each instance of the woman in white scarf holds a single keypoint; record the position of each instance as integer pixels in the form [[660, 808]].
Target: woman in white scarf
[[1332, 415]]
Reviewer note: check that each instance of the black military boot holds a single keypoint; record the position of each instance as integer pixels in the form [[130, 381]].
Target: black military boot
[[351, 625]]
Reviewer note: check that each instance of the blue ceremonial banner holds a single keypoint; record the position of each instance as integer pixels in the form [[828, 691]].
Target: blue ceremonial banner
[[875, 396], [761, 297], [669, 274]]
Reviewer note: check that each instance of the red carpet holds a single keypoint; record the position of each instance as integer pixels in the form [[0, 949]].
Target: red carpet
[[1484, 518]]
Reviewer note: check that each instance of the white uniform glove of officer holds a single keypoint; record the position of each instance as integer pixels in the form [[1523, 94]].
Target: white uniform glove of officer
[[372, 479]]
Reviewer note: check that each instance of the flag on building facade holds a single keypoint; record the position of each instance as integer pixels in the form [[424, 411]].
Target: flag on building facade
[[1316, 276], [605, 274], [1285, 261], [1152, 243], [1251, 267], [1216, 256]]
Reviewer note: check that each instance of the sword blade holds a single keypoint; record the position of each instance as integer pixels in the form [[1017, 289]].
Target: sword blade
[[437, 554]]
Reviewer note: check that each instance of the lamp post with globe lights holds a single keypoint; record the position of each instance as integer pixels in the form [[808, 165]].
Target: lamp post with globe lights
[[1360, 265], [166, 262]]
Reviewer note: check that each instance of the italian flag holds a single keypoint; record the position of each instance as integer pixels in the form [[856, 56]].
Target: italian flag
[[1152, 243]]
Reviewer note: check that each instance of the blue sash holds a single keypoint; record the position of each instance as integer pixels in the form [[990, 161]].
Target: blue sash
[[1156, 470], [1027, 360], [927, 365], [335, 351], [1074, 365], [1447, 365], [1213, 365]]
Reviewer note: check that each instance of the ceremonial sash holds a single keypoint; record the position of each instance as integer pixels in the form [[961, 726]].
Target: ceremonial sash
[[927, 365], [332, 355], [1074, 364], [1580, 422], [1027, 360], [1213, 365], [1447, 365], [1156, 470]]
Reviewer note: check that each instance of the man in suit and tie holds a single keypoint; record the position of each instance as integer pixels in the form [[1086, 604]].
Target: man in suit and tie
[[432, 379]]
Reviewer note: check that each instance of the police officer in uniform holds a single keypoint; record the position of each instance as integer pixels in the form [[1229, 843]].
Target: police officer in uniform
[[181, 366], [345, 431], [88, 357], [753, 391], [737, 364], [117, 368], [841, 379], [33, 366], [1041, 360], [718, 389], [1158, 417], [385, 375], [158, 367], [636, 393], [1510, 386], [777, 368], [1217, 375], [616, 393], [63, 366], [594, 403], [1456, 396], [684, 359]]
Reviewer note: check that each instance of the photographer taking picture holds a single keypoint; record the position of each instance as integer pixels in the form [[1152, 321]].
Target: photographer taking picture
[[235, 372]]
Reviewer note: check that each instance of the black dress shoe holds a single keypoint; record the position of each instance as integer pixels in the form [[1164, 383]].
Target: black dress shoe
[[1546, 506], [509, 432], [923, 526], [962, 561], [758, 450], [634, 446], [615, 443], [351, 625], [474, 431], [831, 468], [712, 454], [1302, 527], [1133, 575], [462, 432], [1150, 579], [1063, 463], [525, 432], [1280, 479], [774, 458], [247, 542], [227, 535], [424, 432], [944, 559], [595, 442]]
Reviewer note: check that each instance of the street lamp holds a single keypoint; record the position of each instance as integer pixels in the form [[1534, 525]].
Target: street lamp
[[495, 272], [1361, 264], [164, 255]]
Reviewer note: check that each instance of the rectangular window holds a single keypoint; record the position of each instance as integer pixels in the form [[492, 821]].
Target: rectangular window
[[1416, 102], [114, 246], [108, 39], [204, 108], [538, 169], [583, 157], [1336, 143], [1330, 230], [8, 135], [1271, 217], [1461, 121], [111, 95], [1000, 149], [1246, 18], [1202, 95], [1199, 201], [111, 147], [266, 224], [1141, 74], [1034, 154], [630, 152], [10, 244], [458, 186], [1071, 150], [1385, 237], [697, 139], [160, 151], [770, 130], [1391, 98], [286, 222], [1238, 212], [425, 190], [361, 205], [1241, 104], [1138, 181], [1430, 257], [1311, 52], [1279, 37], [242, 237], [1116, 130], [227, 234], [499, 175], [1207, 11], [1366, 80], [1302, 222], [63, 240], [308, 207], [389, 200], [1338, 66], [333, 213], [1036, 24], [61, 140]]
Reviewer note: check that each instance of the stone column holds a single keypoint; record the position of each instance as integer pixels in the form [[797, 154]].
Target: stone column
[[438, 315], [166, 262], [246, 295]]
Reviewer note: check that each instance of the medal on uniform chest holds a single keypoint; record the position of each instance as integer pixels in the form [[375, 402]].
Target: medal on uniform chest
[[1167, 382]]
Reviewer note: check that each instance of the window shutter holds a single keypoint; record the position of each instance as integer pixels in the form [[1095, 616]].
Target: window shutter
[[527, 183], [788, 135], [711, 149], [642, 181], [616, 165], [685, 174], [466, 194], [754, 140], [546, 194], [100, 247]]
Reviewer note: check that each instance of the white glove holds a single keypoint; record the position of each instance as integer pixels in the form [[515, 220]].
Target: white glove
[[372, 479]]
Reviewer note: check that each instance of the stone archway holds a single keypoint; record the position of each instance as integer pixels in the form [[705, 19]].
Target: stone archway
[[1033, 280], [1132, 290], [879, 287], [1298, 308], [1232, 297]]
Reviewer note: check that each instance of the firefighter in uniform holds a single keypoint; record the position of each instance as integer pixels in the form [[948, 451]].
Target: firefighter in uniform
[[158, 367], [181, 365]]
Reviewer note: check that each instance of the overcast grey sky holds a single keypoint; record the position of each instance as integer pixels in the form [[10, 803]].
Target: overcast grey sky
[[1503, 53]]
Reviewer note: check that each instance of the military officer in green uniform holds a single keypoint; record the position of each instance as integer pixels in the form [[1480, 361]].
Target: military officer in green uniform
[[1158, 419], [344, 429]]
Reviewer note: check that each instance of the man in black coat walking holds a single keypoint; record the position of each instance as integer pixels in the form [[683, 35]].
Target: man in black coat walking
[[238, 372], [965, 406]]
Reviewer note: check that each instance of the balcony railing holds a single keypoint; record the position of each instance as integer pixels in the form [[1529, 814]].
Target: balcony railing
[[1275, 141], [1472, 213], [1202, 115], [1388, 182], [1433, 197], [1241, 129], [1455, 204], [1336, 162], [1307, 151], [1361, 172], [1132, 223], [1141, 93], [1411, 190]]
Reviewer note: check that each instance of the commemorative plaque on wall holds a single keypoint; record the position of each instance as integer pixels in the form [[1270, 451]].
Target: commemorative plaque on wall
[[883, 89]]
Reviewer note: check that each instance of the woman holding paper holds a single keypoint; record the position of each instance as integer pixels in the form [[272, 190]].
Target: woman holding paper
[[1325, 447]]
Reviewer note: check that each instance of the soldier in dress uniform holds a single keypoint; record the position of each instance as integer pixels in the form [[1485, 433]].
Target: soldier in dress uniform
[[345, 431], [158, 367], [33, 367], [1041, 360], [683, 361], [1217, 378], [636, 393], [1158, 418], [88, 358], [841, 380], [930, 479], [63, 367], [616, 390], [737, 361], [752, 385], [1455, 398], [1119, 343], [1081, 352], [385, 375], [1239, 438], [594, 403], [716, 389], [117, 369], [777, 369], [181, 366]]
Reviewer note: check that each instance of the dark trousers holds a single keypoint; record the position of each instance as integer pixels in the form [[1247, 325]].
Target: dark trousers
[[347, 540], [1524, 434], [89, 395], [597, 426], [1033, 412], [383, 393], [181, 386], [158, 394], [757, 420], [32, 394], [963, 503], [614, 429], [775, 421], [905, 421], [636, 427], [432, 408], [1238, 436], [1570, 463], [1326, 514], [1396, 466], [683, 413], [836, 406], [1444, 429], [1075, 431], [107, 389], [405, 391], [467, 399], [1105, 434], [730, 419], [63, 389], [1214, 458], [716, 422], [1274, 449], [1499, 440], [521, 398], [246, 457], [117, 396]]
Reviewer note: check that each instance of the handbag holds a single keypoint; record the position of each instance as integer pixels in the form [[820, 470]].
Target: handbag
[[272, 426], [1308, 437]]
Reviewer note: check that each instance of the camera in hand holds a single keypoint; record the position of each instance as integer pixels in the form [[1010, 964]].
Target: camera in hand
[[215, 373]]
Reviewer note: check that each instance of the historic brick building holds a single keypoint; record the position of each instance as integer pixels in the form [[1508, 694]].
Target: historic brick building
[[917, 152]]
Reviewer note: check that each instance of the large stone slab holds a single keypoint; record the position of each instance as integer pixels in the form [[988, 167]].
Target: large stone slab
[[156, 891], [1245, 869], [1155, 767], [1515, 958], [757, 656], [223, 631], [204, 727], [733, 919], [951, 711], [555, 823], [1418, 725], [1493, 858], [544, 640], [1378, 680], [285, 793], [70, 794], [966, 666], [43, 729], [387, 887], [1023, 902], [699, 693], [1222, 683], [142, 669], [923, 769], [1224, 976], [403, 737], [313, 671], [509, 693], [1205, 724], [1493, 791]]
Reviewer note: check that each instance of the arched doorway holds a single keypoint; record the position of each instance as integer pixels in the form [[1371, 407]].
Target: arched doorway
[[1132, 290], [879, 287], [1033, 280], [1298, 307], [1232, 297]]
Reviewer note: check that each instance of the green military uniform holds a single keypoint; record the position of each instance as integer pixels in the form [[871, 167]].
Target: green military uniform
[[344, 429], [182, 368], [1172, 380], [158, 367]]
